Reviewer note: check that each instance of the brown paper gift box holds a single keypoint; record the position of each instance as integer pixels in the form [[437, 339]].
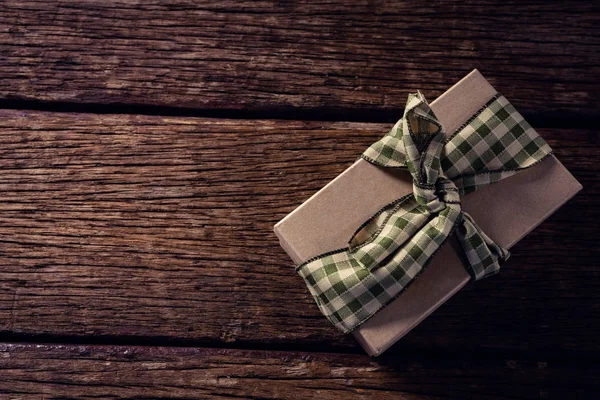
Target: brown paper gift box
[[506, 211]]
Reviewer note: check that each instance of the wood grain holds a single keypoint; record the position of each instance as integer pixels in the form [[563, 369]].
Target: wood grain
[[354, 59], [91, 372], [148, 228]]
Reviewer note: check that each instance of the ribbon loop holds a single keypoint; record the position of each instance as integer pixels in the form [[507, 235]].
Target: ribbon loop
[[391, 248], [422, 137]]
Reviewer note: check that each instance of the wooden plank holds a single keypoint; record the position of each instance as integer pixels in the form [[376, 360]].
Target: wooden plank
[[357, 59], [149, 227], [86, 372]]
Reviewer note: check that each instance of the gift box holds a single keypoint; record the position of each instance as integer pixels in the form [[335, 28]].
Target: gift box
[[343, 224]]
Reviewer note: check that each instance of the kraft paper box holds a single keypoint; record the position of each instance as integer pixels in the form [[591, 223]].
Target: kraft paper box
[[506, 211]]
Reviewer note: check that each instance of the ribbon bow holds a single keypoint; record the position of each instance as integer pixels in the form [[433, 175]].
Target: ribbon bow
[[390, 249]]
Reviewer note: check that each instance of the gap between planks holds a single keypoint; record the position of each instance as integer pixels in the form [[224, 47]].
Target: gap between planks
[[560, 120]]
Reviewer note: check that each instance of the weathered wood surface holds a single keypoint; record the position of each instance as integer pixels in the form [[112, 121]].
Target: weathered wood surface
[[354, 59], [90, 372], [142, 229]]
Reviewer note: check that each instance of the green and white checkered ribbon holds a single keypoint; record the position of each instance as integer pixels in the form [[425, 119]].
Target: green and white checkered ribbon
[[390, 249]]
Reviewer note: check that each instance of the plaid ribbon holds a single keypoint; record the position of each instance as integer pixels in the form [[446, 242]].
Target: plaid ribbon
[[390, 249]]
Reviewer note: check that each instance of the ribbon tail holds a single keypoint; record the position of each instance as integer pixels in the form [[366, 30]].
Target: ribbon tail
[[483, 254]]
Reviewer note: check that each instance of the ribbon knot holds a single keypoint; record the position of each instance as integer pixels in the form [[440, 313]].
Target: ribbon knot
[[434, 198], [391, 248]]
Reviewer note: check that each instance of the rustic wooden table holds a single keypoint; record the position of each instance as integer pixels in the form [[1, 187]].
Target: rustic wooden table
[[148, 148]]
